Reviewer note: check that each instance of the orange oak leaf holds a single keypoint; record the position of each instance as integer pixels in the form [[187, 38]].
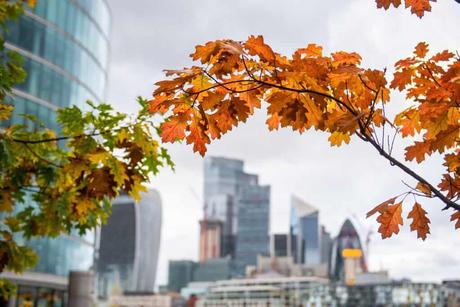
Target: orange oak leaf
[[417, 7], [389, 220], [273, 122], [382, 207], [386, 3], [456, 217], [417, 151], [256, 46], [173, 129], [420, 221], [421, 49]]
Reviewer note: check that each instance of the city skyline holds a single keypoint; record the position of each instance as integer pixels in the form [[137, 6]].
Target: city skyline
[[261, 211], [302, 165]]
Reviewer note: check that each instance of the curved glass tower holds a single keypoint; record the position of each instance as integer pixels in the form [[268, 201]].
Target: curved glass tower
[[65, 46]]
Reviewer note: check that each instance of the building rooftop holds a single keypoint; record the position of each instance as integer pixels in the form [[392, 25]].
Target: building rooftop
[[303, 208]]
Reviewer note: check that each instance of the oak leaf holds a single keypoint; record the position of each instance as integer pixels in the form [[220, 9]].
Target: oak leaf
[[337, 138], [424, 188], [456, 217], [389, 220], [417, 151], [420, 221], [382, 207], [174, 129]]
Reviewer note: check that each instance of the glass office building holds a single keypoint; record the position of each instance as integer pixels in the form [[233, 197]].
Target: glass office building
[[252, 236], [130, 245], [65, 46], [223, 180], [304, 233], [348, 238]]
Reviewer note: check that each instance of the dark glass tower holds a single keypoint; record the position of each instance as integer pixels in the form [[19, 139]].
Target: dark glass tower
[[348, 238], [130, 245]]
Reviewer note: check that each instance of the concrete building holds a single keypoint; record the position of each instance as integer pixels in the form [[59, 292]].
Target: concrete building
[[130, 244], [65, 46], [277, 291], [139, 299]]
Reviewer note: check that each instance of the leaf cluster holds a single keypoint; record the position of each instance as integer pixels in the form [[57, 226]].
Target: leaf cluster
[[332, 93]]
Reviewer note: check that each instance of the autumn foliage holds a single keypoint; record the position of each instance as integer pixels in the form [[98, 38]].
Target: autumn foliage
[[331, 93], [417, 7]]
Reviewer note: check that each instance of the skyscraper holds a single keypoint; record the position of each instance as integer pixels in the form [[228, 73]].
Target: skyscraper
[[130, 244], [252, 236], [223, 181], [279, 245], [347, 239], [304, 233], [237, 207], [65, 46]]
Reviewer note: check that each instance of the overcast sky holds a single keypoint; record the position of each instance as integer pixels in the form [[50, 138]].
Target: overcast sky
[[151, 35]]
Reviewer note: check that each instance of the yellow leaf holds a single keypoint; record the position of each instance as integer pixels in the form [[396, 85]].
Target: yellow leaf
[[5, 111], [99, 155], [425, 189], [338, 137]]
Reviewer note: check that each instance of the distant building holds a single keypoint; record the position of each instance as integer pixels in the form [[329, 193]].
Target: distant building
[[252, 236], [236, 214], [184, 272], [223, 181], [279, 245], [326, 247], [395, 293], [213, 270], [130, 244], [451, 293], [140, 299], [304, 232], [211, 232], [347, 239], [313, 291], [180, 274], [271, 291]]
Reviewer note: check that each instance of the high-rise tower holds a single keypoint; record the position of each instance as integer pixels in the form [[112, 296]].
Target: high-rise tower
[[130, 244], [65, 46], [304, 233], [236, 210]]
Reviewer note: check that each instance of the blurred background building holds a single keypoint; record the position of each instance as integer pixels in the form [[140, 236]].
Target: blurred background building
[[65, 46], [236, 215], [347, 257], [130, 244]]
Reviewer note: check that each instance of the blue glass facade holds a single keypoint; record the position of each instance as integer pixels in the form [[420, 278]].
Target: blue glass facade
[[65, 46], [305, 233], [252, 236]]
